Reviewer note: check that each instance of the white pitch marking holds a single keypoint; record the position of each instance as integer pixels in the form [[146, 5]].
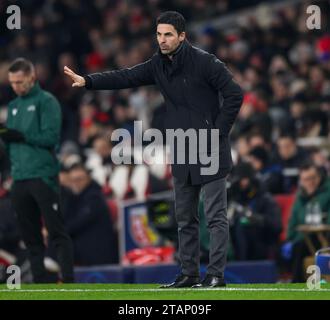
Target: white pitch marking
[[164, 290]]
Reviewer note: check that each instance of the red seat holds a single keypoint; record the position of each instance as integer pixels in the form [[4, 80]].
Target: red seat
[[285, 202], [113, 208]]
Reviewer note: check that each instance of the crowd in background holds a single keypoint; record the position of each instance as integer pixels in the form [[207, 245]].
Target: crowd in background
[[282, 66]]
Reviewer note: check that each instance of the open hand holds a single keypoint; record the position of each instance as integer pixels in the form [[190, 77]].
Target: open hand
[[78, 81]]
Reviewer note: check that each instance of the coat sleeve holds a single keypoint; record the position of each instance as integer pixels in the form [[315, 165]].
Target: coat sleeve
[[138, 75], [50, 125], [221, 79]]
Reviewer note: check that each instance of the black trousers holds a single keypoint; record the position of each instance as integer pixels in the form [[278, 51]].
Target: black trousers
[[33, 201], [186, 212]]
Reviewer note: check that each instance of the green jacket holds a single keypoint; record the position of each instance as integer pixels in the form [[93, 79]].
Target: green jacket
[[321, 196], [38, 116]]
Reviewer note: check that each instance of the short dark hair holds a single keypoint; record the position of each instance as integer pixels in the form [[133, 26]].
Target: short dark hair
[[261, 154], [307, 165], [21, 64], [79, 166], [288, 135], [174, 18]]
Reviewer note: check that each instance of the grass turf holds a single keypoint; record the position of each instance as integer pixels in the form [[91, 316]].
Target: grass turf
[[152, 292]]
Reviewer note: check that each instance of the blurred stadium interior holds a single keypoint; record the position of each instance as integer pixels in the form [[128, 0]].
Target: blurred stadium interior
[[284, 70]]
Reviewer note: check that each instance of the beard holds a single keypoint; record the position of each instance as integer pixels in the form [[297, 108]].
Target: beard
[[170, 51]]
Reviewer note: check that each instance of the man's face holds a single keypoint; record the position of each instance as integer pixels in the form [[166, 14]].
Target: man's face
[[244, 183], [102, 147], [309, 180], [79, 180], [21, 82], [168, 38], [286, 148], [255, 162], [257, 141]]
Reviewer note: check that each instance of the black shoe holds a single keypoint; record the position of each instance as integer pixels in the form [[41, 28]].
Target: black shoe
[[211, 282], [182, 281]]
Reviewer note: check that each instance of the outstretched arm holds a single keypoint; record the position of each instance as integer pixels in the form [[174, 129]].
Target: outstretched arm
[[139, 75]]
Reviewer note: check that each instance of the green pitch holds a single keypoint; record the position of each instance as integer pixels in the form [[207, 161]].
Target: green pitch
[[152, 292]]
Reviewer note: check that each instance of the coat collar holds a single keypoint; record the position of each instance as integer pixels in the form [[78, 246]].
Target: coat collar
[[321, 189], [34, 90], [178, 56]]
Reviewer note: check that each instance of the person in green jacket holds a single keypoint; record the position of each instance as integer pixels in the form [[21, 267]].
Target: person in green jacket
[[311, 206], [31, 135]]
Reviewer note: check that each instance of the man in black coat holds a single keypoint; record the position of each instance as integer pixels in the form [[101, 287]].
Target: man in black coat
[[200, 96], [254, 216], [88, 221]]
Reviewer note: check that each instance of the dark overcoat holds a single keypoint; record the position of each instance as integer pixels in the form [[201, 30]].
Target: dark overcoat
[[199, 93]]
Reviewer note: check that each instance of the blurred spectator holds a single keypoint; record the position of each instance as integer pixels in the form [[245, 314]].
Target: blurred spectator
[[316, 124], [290, 157], [280, 91], [312, 206], [254, 216], [124, 116], [268, 174], [297, 121], [99, 160], [68, 98], [257, 139], [321, 158], [12, 248], [88, 221], [253, 115], [69, 154], [9, 232], [242, 148]]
